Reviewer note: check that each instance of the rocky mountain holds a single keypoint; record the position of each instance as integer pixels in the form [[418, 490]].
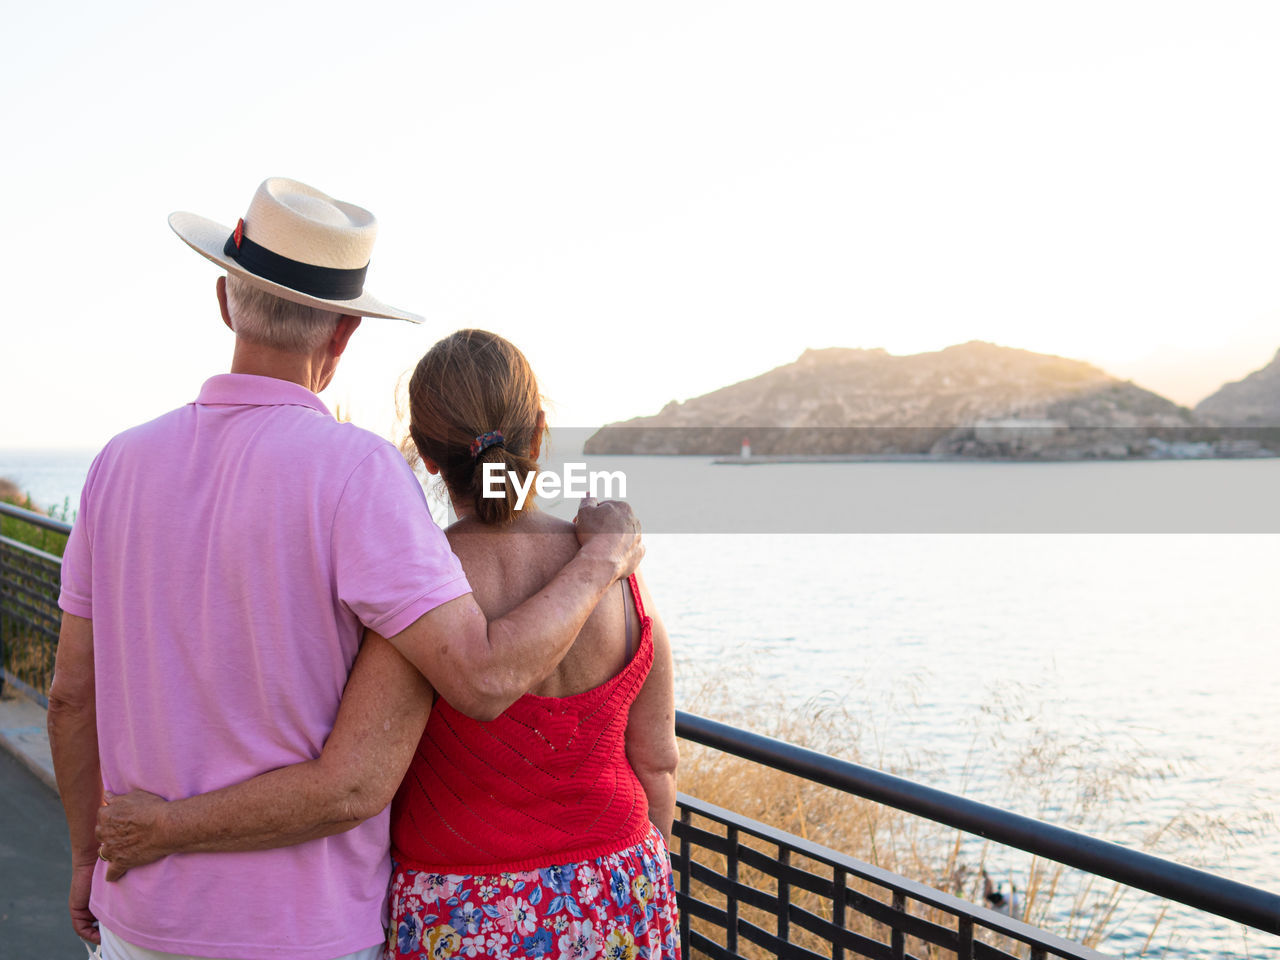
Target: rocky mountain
[[974, 399], [1251, 402]]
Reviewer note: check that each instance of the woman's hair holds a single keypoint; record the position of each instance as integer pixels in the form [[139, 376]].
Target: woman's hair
[[469, 384]]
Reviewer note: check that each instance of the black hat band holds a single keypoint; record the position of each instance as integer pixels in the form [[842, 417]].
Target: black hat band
[[325, 283]]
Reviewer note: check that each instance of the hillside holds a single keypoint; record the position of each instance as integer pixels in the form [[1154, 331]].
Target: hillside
[[1251, 402], [974, 399]]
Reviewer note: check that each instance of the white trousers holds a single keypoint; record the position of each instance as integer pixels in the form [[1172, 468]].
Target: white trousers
[[113, 948]]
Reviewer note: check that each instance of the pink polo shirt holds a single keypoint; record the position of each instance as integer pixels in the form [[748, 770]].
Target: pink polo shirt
[[228, 554]]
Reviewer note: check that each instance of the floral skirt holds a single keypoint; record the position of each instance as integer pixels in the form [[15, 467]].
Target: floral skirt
[[617, 907]]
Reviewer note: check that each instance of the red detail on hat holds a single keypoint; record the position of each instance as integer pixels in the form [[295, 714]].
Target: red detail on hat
[[238, 235]]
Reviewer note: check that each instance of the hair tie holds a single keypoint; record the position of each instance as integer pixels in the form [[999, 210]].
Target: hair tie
[[486, 440]]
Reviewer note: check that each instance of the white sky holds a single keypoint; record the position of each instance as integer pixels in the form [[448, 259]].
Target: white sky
[[652, 199]]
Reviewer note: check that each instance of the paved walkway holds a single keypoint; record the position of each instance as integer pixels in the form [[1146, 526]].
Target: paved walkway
[[24, 734], [35, 869]]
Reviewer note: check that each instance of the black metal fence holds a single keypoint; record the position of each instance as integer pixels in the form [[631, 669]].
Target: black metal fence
[[740, 880], [29, 614], [748, 890]]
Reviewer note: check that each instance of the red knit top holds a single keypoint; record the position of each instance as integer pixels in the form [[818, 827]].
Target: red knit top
[[545, 783]]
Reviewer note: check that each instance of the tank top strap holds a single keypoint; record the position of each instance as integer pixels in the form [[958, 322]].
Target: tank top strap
[[635, 595]]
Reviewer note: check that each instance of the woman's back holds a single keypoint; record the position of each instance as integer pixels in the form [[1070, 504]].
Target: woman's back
[[507, 565], [548, 781]]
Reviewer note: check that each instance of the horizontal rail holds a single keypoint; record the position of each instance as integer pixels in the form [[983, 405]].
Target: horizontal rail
[[35, 519], [28, 691], [1196, 888], [50, 560]]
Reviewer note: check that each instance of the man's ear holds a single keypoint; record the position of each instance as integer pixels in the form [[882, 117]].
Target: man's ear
[[222, 302], [342, 333]]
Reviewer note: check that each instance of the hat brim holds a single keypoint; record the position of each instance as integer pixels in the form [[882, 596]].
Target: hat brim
[[207, 238]]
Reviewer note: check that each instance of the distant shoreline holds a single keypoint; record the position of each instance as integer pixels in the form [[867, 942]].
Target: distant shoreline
[[766, 459]]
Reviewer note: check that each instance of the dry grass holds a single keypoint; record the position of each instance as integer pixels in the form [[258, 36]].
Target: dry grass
[[863, 829], [31, 660]]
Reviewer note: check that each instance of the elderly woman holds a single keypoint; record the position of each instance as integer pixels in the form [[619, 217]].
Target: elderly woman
[[545, 830]]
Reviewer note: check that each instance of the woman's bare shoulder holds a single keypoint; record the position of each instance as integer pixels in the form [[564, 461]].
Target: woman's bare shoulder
[[470, 532], [516, 558]]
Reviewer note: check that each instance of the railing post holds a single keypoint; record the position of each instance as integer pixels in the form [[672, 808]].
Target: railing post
[[784, 895], [897, 938], [731, 895], [965, 952], [686, 819], [841, 880]]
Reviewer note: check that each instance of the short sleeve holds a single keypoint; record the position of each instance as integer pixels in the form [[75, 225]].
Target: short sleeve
[[391, 562], [76, 595]]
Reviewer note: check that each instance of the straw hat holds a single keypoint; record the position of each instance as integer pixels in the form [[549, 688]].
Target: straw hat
[[298, 243]]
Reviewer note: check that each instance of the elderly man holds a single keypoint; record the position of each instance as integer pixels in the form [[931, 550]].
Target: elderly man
[[226, 560]]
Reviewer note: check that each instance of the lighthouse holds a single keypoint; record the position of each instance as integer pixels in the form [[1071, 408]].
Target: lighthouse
[[746, 447]]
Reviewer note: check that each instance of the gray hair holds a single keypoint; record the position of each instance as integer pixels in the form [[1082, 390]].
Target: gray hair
[[267, 320]]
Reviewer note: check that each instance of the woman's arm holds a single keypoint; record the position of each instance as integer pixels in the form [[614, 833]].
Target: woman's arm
[[651, 728], [380, 720]]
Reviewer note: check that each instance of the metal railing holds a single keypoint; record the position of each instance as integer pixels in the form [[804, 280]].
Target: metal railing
[[743, 884], [29, 614], [746, 889], [866, 911]]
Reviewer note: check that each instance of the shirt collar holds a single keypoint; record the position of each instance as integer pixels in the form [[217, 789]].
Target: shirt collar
[[247, 389]]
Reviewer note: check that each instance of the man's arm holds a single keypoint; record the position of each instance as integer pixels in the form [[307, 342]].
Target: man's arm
[[483, 667], [380, 720], [73, 740]]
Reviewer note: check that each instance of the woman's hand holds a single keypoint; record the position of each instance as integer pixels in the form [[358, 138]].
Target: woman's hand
[[128, 831]]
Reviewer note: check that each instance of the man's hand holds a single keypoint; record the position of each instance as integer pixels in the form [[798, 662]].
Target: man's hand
[[82, 921], [127, 831], [612, 529]]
